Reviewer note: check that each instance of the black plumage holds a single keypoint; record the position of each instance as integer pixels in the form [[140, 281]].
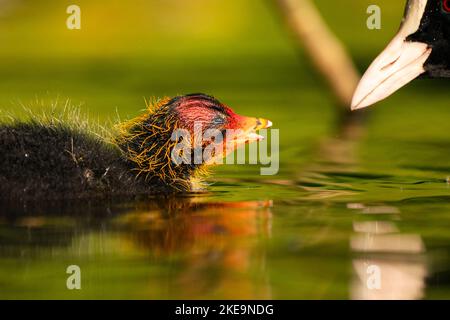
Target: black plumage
[[434, 30], [53, 161]]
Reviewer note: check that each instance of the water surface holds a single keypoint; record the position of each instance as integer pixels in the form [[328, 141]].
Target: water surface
[[320, 230]]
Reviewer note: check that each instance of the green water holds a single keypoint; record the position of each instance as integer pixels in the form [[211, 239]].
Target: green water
[[309, 234], [343, 211]]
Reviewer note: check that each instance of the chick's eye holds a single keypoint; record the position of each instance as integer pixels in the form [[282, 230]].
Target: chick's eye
[[218, 120], [446, 6]]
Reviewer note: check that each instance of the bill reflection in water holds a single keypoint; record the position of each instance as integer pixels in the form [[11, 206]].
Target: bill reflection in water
[[388, 264]]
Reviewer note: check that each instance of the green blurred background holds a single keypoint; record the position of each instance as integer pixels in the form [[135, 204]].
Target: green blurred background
[[236, 50]]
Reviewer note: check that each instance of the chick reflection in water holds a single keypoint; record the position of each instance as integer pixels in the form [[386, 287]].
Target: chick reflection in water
[[214, 242], [174, 247]]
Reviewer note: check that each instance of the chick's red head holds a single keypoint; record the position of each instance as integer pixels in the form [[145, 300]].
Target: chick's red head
[[203, 115]]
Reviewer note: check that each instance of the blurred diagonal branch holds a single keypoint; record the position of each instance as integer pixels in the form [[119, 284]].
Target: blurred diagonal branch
[[324, 49]]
